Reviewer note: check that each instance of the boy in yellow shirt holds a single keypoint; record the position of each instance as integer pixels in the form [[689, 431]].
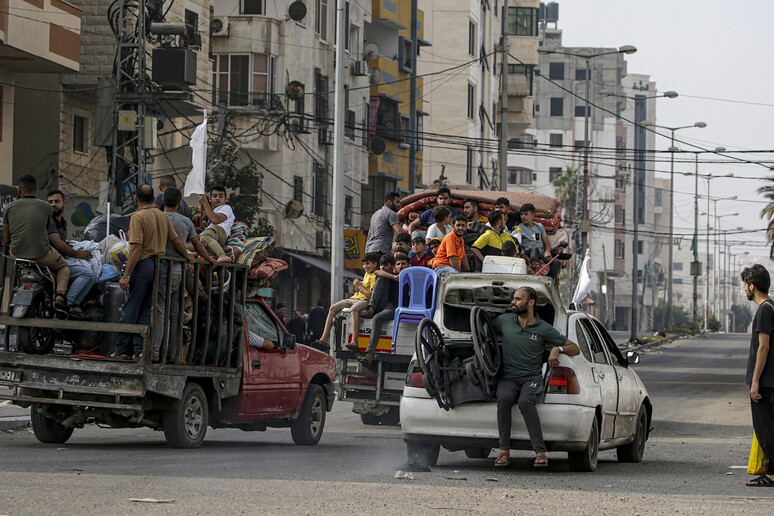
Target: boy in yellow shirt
[[359, 301]]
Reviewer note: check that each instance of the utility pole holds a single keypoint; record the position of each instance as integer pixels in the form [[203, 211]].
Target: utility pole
[[640, 107], [695, 266], [412, 163], [127, 163], [337, 208], [504, 43]]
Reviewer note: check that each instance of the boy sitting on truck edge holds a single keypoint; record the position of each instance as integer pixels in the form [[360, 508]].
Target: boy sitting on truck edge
[[359, 301], [221, 219], [384, 307]]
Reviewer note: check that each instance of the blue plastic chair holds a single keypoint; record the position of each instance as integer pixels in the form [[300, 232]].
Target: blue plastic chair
[[422, 283]]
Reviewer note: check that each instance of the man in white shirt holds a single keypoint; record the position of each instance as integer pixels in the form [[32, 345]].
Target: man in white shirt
[[221, 219]]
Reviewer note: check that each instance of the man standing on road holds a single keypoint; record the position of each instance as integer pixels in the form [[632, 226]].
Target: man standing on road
[[760, 366], [525, 339], [149, 232], [384, 225]]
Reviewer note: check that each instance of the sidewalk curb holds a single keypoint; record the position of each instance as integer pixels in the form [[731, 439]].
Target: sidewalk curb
[[660, 342], [14, 422]]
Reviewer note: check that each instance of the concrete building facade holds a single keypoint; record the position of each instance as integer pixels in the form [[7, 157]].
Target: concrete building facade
[[463, 96]]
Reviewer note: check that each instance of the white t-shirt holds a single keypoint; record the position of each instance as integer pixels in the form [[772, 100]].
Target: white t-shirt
[[435, 232], [230, 218]]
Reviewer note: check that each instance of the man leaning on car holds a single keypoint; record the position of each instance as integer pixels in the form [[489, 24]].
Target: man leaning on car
[[525, 339]]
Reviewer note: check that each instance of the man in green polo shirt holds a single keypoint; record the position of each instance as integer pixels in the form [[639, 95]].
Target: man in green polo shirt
[[525, 340]]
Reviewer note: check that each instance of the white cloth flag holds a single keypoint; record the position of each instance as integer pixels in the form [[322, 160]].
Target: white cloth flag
[[194, 183], [584, 282]]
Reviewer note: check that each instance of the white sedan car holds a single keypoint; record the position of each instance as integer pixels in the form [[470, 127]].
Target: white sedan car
[[591, 402]]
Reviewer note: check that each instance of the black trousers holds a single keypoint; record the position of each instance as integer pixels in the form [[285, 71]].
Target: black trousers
[[763, 423], [524, 393]]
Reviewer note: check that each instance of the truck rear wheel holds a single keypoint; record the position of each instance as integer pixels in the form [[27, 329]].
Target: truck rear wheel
[[47, 430], [421, 454], [36, 341], [308, 428], [186, 425], [389, 418]]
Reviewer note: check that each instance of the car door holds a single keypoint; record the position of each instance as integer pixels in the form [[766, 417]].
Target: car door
[[272, 378], [604, 374], [629, 392]]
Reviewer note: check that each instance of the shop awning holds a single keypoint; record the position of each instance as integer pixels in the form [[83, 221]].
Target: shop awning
[[321, 264]]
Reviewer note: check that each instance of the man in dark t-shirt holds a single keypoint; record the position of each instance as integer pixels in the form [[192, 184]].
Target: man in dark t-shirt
[[760, 366], [526, 338]]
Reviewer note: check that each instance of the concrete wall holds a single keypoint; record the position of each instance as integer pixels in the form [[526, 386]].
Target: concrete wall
[[7, 128]]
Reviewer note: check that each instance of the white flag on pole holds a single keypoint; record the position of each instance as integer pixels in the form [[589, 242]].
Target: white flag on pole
[[194, 183], [584, 282]]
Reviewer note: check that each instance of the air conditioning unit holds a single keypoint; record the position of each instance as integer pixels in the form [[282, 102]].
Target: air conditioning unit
[[325, 135], [174, 68], [359, 68], [300, 124], [219, 26]]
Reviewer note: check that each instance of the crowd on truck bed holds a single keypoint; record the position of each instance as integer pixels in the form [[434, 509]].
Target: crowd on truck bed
[[36, 230], [453, 242]]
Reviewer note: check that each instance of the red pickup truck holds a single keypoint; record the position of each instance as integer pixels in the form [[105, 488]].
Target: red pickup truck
[[236, 386]]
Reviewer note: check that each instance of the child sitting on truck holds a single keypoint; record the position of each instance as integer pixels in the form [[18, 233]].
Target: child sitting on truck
[[383, 303], [359, 301], [419, 256]]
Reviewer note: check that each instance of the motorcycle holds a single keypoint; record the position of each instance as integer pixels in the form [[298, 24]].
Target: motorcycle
[[33, 290]]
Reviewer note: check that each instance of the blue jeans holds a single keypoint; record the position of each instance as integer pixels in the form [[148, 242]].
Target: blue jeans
[[137, 309], [445, 269], [81, 280]]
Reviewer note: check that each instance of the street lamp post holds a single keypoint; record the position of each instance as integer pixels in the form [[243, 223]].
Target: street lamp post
[[639, 114], [585, 226], [718, 249], [734, 293], [667, 321], [709, 178]]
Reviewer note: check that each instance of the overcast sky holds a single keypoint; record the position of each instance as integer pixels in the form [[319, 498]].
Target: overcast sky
[[699, 48]]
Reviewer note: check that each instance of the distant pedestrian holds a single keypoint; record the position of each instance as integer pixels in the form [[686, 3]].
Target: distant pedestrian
[[279, 313], [315, 323], [760, 366], [297, 326]]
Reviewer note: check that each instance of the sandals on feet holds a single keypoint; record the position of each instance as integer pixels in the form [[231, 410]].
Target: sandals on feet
[[541, 461], [60, 302], [503, 460], [761, 481], [353, 347]]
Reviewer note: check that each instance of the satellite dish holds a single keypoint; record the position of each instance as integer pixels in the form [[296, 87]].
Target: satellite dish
[[295, 90], [376, 75], [377, 146], [294, 209], [370, 51], [297, 10], [216, 26]]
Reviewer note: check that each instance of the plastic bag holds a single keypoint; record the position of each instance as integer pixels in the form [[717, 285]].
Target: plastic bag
[[756, 464], [119, 252]]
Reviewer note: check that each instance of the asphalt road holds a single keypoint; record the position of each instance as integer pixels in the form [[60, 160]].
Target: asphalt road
[[701, 428]]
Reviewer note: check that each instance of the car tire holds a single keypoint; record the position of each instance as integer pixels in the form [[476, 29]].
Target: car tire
[[478, 453], [586, 460], [421, 454], [47, 430], [308, 428], [635, 450], [391, 417], [186, 425], [36, 341]]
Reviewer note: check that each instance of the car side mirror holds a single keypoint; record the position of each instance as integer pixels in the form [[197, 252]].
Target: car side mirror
[[288, 342], [632, 357]]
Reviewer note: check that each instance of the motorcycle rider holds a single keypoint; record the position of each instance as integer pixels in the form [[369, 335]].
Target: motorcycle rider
[[25, 229]]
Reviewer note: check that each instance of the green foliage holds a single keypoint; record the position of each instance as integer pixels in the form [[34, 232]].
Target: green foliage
[[565, 190], [681, 316]]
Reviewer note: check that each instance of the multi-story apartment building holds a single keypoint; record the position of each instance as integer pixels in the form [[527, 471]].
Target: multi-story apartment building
[[388, 54], [463, 95], [539, 160], [36, 37], [273, 78]]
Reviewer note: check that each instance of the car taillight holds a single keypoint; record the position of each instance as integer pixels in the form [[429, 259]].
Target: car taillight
[[414, 375], [563, 381]]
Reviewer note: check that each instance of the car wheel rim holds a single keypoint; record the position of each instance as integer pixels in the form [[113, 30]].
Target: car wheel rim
[[315, 416], [194, 417]]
